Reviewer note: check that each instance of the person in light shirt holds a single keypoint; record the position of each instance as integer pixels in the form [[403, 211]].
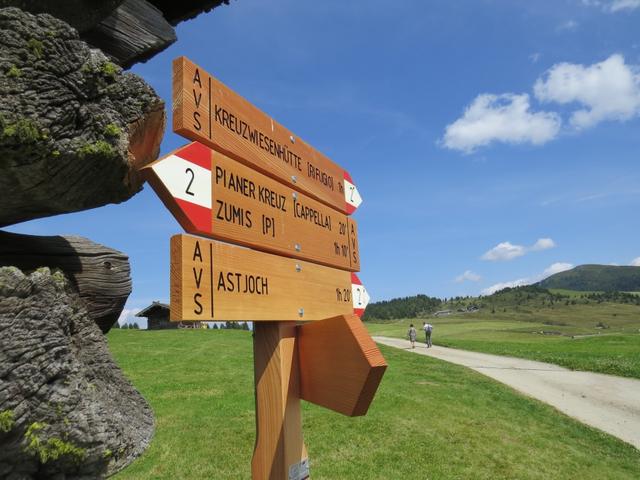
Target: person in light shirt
[[412, 336], [428, 328]]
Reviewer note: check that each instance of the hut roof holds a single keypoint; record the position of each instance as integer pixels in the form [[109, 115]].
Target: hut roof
[[154, 308]]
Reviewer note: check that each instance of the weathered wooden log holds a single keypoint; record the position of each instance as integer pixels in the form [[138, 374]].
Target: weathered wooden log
[[80, 14], [66, 410], [74, 129], [129, 31], [175, 12], [99, 274], [133, 32]]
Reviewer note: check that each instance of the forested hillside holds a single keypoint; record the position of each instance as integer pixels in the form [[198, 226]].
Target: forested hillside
[[406, 307], [525, 299], [605, 278]]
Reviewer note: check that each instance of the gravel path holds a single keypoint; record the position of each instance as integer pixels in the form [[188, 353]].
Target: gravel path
[[606, 402]]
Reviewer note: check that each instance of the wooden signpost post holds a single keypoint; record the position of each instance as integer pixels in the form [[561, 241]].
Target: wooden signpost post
[[249, 181]]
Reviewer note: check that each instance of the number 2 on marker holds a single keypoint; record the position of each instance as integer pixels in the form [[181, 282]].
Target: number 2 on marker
[[193, 175]]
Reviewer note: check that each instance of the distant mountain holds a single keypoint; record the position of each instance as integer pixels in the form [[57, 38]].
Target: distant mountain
[[606, 278]]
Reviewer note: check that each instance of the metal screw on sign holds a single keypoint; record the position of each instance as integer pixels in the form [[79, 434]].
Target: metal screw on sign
[[297, 247], [301, 312], [294, 179], [298, 267], [293, 139], [295, 195]]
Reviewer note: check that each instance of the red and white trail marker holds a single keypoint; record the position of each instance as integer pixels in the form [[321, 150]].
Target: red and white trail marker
[[359, 294], [187, 179], [352, 196]]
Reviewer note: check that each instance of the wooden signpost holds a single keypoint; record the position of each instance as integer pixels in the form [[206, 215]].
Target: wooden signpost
[[206, 110], [249, 181], [212, 195]]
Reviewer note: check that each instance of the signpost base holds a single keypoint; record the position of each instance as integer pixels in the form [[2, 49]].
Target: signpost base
[[279, 453]]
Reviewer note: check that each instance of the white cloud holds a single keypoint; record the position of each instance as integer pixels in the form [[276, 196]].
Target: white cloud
[[556, 268], [504, 251], [550, 270], [618, 5], [507, 251], [128, 316], [568, 26], [635, 262], [543, 244], [468, 275], [609, 90], [613, 6], [500, 286], [500, 118], [534, 57]]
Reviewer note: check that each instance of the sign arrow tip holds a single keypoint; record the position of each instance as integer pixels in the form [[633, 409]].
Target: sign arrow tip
[[352, 196], [359, 295]]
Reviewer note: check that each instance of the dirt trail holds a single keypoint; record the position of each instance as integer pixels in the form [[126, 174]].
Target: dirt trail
[[606, 402]]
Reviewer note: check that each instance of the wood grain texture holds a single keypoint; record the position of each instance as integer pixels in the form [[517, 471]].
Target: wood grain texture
[[340, 365], [206, 110], [100, 274], [254, 210], [133, 32], [279, 443], [214, 281], [74, 129]]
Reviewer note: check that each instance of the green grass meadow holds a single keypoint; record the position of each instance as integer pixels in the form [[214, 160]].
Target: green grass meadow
[[430, 420], [573, 336]]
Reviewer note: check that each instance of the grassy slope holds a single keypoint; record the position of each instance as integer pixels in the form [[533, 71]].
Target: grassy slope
[[614, 350], [430, 420]]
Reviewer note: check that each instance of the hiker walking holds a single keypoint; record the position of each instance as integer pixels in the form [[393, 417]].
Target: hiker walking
[[428, 328], [412, 335]]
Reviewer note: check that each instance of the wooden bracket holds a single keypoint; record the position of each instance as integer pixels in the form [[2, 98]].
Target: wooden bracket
[[333, 363], [340, 365]]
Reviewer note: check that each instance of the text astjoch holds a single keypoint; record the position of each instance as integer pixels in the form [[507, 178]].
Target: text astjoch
[[212, 281]]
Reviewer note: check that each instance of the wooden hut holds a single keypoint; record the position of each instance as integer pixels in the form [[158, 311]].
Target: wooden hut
[[157, 315]]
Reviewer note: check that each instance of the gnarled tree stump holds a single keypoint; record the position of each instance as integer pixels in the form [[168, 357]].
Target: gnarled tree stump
[[99, 274], [74, 129], [66, 410]]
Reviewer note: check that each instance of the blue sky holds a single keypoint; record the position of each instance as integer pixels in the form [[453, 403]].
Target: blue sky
[[493, 142]]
